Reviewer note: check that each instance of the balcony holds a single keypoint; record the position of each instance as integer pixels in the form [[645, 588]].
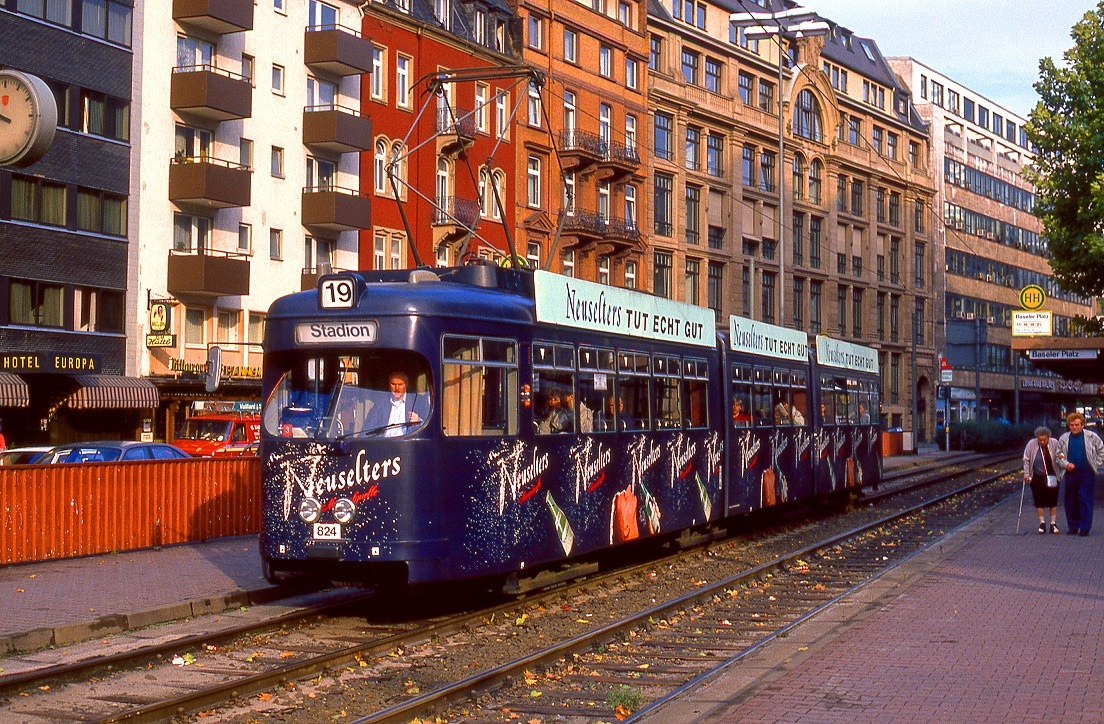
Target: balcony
[[208, 183], [219, 17], [456, 216], [331, 209], [580, 149], [456, 127], [308, 278], [337, 50], [621, 237], [209, 93], [336, 129], [208, 273], [621, 160]]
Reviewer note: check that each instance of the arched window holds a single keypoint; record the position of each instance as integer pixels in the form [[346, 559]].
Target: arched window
[[816, 170], [379, 167], [486, 200], [442, 182], [798, 177], [806, 116], [398, 151], [498, 178]]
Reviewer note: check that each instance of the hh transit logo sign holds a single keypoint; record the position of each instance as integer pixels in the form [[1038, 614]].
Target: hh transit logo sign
[[1032, 297]]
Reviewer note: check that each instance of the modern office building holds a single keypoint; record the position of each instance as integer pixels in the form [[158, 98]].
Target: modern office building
[[990, 245], [68, 230]]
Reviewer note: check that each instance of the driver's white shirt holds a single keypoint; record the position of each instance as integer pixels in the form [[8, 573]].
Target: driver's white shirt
[[398, 416]]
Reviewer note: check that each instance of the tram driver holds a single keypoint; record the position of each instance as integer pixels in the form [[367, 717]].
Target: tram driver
[[401, 409]]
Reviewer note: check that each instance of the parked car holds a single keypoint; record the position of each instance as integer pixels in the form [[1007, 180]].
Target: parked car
[[111, 451], [22, 455]]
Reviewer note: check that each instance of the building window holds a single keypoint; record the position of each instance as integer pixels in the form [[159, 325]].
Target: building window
[[693, 148], [814, 241], [277, 163], [38, 201], [533, 181], [841, 308], [879, 205], [713, 75], [275, 244], [533, 254], [715, 286], [744, 82], [798, 303], [766, 96], [894, 208], [191, 233], [891, 145], [798, 178], [768, 297], [894, 260], [630, 275], [58, 12], [747, 166], [919, 261], [569, 263], [766, 171], [571, 46], [603, 270], [195, 320], [798, 238], [877, 136], [745, 291], [277, 79], [714, 155], [256, 327], [690, 287], [914, 154], [101, 212], [816, 169], [894, 317], [655, 49], [403, 65], [841, 193], [376, 81], [631, 73], [662, 137], [36, 303], [605, 61], [918, 216], [104, 19], [857, 197], [534, 105], [856, 311], [630, 206], [482, 92], [693, 212], [501, 118], [536, 32], [661, 285], [815, 323], [664, 186], [227, 330], [245, 238], [690, 67], [854, 131]]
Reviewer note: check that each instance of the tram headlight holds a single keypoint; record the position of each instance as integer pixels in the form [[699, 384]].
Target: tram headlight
[[309, 510], [344, 510]]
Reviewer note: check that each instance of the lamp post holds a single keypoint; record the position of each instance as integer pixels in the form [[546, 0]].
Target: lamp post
[[797, 22]]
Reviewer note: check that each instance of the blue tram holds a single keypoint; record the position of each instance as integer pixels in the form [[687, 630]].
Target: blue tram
[[431, 425]]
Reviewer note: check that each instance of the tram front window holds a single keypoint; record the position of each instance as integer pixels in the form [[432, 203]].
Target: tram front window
[[343, 396]]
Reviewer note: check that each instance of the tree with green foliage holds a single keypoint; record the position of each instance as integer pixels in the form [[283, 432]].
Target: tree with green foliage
[[1067, 129]]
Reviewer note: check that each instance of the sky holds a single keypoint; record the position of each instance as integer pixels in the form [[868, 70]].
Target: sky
[[992, 47]]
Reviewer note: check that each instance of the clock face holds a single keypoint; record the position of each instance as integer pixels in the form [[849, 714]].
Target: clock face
[[28, 118]]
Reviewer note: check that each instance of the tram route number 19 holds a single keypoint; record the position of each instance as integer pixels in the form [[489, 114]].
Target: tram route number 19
[[337, 293]]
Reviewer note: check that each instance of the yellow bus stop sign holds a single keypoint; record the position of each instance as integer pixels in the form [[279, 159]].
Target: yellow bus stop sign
[[1032, 297]]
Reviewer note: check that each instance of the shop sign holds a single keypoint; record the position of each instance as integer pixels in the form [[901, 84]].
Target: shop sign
[[51, 362], [239, 372], [1036, 383], [1032, 324], [160, 318], [1032, 297], [160, 340]]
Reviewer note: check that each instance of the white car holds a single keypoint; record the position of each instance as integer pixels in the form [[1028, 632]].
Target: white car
[[22, 455]]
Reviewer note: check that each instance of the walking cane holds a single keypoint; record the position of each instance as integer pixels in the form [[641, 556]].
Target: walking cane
[[1018, 515]]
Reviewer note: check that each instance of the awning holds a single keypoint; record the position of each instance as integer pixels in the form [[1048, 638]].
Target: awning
[[97, 392], [13, 391]]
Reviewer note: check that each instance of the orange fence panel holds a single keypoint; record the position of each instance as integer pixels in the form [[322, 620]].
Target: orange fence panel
[[61, 511]]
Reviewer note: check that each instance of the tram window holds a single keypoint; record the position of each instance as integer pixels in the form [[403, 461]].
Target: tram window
[[741, 396], [597, 410], [665, 383], [347, 395], [827, 401], [875, 405], [800, 397], [633, 382], [553, 388], [761, 399], [695, 374], [479, 386]]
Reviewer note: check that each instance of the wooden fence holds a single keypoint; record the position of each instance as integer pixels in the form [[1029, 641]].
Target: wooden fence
[[61, 511]]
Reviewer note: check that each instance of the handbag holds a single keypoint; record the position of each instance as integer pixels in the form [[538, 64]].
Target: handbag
[[1052, 481]]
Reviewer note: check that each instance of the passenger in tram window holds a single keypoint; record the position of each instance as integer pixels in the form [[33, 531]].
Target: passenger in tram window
[[606, 420], [787, 414], [864, 416], [585, 415], [799, 406], [740, 416], [557, 419]]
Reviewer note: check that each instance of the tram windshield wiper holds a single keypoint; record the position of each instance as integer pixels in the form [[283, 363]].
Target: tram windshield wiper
[[375, 430]]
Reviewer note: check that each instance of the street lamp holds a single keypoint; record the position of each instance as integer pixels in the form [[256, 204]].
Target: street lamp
[[797, 22]]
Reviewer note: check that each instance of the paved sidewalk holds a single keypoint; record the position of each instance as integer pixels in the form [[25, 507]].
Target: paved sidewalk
[[988, 626]]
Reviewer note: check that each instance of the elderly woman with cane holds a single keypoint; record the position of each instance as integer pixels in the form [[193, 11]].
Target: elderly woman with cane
[[1040, 471]]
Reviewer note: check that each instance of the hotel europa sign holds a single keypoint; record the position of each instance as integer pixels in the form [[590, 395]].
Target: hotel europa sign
[[51, 363]]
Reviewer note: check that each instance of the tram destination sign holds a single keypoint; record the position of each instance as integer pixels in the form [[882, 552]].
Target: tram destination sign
[[335, 332], [569, 302], [746, 335], [846, 355]]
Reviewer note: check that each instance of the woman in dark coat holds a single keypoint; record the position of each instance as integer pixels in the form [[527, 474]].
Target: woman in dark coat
[[1038, 464]]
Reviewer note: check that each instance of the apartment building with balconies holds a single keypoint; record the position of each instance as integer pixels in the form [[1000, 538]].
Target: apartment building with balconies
[[580, 134], [249, 138], [444, 79], [68, 233], [989, 246]]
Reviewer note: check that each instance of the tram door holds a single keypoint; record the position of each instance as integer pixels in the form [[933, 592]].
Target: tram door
[[744, 449]]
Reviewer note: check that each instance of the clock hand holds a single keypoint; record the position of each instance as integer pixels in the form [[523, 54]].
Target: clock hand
[[5, 119]]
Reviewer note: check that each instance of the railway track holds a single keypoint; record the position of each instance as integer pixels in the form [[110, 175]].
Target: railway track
[[244, 665]]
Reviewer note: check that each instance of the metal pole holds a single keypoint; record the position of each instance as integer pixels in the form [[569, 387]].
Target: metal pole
[[781, 193], [1016, 387], [977, 366], [915, 404]]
